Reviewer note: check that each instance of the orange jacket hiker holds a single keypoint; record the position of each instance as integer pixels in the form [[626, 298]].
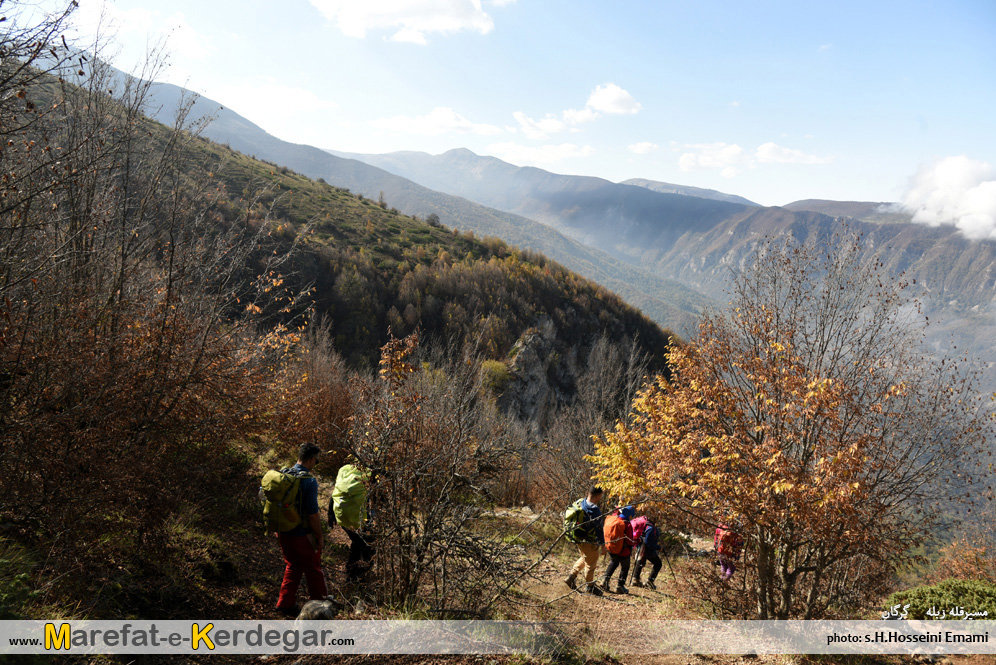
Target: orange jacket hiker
[[617, 540]]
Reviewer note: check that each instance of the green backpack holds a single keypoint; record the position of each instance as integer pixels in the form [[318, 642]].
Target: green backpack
[[349, 497], [280, 491], [573, 518]]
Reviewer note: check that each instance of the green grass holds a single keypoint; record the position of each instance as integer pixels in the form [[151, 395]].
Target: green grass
[[17, 592]]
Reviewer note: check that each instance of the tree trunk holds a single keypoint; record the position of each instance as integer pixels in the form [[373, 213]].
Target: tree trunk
[[765, 579]]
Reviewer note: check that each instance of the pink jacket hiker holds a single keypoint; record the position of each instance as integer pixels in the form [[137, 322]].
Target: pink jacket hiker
[[635, 529]]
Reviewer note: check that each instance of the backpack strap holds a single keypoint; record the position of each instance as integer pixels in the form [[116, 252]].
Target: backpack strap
[[286, 472]]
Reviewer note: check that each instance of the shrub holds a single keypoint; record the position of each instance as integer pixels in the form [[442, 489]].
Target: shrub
[[440, 456], [971, 595], [495, 376]]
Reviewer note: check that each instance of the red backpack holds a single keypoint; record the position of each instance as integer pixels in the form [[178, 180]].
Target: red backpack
[[727, 541]]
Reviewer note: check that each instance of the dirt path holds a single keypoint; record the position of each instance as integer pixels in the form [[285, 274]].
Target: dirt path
[[595, 623], [600, 623]]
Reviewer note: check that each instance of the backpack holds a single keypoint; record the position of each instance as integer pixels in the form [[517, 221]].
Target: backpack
[[349, 497], [281, 494], [573, 518], [729, 543], [637, 525], [616, 538]]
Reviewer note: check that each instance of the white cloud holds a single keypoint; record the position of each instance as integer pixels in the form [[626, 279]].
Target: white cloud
[[955, 190], [613, 100], [410, 36], [441, 120], [412, 20], [543, 155], [771, 153], [579, 116], [643, 148], [607, 99], [539, 129], [730, 158]]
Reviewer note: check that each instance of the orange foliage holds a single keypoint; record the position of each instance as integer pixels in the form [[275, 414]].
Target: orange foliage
[[806, 414]]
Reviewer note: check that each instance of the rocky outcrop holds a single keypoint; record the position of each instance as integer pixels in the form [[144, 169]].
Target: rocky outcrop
[[542, 376]]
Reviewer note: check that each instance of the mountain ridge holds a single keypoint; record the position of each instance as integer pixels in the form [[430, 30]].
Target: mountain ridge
[[865, 211], [687, 190], [593, 210]]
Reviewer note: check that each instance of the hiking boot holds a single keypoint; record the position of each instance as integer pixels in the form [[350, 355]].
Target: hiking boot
[[638, 584], [651, 585], [569, 581], [593, 589], [621, 589], [605, 585], [290, 612]]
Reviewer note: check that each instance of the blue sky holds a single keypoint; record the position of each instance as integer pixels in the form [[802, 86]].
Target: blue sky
[[775, 101]]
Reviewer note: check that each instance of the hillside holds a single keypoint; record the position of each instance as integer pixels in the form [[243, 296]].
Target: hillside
[[955, 277], [180, 322], [668, 302], [375, 269], [686, 190]]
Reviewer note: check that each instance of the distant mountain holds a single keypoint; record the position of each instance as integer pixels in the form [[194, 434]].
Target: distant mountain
[[685, 190], [611, 216], [864, 211], [672, 247], [668, 302]]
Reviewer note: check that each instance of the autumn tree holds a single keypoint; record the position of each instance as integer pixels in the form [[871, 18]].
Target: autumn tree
[[810, 414]]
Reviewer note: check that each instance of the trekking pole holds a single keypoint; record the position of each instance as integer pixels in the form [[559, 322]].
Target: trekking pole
[[632, 570], [664, 552]]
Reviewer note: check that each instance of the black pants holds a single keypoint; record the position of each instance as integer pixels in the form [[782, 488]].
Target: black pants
[[360, 551], [620, 561], [654, 559]]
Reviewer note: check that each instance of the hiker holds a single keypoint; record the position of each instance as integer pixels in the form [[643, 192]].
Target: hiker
[[302, 546], [727, 543], [619, 543], [349, 506], [583, 526], [651, 545]]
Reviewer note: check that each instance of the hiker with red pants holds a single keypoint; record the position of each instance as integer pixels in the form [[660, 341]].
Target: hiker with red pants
[[619, 543], [648, 552], [302, 546], [728, 544]]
